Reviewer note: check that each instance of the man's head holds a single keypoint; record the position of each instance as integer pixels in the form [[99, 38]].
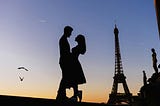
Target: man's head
[[68, 31]]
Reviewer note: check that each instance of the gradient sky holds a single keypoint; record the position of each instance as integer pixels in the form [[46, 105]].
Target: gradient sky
[[30, 31]]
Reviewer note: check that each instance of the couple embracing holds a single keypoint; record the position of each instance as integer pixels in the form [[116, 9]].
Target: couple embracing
[[72, 72]]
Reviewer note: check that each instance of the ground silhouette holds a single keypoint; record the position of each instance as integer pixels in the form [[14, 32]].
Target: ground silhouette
[[7, 100]]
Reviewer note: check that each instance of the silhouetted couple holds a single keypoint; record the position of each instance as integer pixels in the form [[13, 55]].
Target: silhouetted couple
[[72, 72]]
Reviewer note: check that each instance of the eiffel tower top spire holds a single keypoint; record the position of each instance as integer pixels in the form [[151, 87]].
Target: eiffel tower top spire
[[116, 31], [118, 61]]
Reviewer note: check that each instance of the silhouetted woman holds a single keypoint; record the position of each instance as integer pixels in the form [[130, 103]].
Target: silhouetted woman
[[77, 72]]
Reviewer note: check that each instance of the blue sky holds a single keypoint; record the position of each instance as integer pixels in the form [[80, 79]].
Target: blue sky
[[29, 34]]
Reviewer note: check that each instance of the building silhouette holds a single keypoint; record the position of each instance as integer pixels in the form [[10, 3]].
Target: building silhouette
[[157, 9]]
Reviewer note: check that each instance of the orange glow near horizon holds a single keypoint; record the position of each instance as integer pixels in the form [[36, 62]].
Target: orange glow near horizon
[[88, 96]]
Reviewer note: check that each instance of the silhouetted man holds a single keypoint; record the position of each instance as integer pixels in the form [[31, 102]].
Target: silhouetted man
[[154, 60], [65, 63]]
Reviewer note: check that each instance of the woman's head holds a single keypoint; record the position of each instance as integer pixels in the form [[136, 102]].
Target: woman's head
[[81, 42]]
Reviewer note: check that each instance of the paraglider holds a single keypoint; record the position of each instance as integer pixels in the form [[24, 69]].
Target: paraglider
[[21, 78], [23, 68]]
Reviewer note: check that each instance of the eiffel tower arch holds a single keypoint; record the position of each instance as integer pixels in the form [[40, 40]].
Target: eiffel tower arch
[[119, 78]]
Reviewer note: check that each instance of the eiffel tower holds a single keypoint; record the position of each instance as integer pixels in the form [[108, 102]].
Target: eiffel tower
[[115, 97]]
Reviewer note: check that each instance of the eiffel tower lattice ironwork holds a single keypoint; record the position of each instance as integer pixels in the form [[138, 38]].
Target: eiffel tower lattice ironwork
[[115, 97]]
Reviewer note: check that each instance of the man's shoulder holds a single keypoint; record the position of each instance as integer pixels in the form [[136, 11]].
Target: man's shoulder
[[62, 39]]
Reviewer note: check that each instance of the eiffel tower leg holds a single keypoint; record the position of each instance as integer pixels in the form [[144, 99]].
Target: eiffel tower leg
[[126, 87], [115, 87]]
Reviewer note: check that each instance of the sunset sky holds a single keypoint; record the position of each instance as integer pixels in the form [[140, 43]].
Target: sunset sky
[[30, 31]]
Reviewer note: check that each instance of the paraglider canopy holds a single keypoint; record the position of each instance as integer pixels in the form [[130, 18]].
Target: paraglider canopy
[[23, 68]]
